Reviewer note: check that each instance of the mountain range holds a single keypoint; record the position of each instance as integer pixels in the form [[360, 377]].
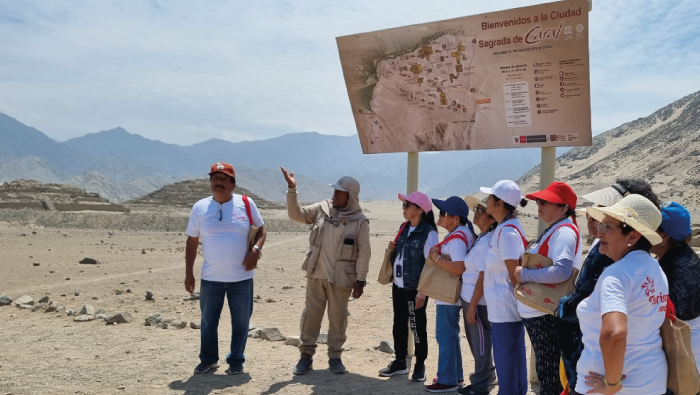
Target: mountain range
[[122, 166]]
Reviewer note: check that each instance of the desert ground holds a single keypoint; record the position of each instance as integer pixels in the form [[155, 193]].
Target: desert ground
[[50, 353]]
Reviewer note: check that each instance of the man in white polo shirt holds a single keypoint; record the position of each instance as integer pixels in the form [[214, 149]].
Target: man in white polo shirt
[[223, 221]]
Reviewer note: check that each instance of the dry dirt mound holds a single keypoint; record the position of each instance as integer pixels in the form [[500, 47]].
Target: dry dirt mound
[[187, 193]]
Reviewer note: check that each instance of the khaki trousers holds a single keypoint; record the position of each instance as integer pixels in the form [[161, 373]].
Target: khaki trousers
[[318, 293]]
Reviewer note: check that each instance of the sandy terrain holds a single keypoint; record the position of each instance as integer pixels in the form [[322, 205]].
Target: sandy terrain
[[49, 353]]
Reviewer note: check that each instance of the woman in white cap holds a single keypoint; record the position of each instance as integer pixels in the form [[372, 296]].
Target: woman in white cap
[[568, 328], [682, 268], [620, 321], [416, 237], [505, 250], [561, 242]]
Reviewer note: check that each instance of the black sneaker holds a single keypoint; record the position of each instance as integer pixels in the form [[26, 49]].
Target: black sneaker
[[234, 371], [394, 368], [205, 367], [336, 365], [418, 373], [468, 390], [303, 366]]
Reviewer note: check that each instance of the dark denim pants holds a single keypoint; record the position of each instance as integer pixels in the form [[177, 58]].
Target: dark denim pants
[[240, 304]]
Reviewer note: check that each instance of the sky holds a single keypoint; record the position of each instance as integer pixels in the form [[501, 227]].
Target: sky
[[186, 71]]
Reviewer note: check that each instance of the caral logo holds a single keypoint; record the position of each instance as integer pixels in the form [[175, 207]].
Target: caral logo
[[220, 166], [648, 286]]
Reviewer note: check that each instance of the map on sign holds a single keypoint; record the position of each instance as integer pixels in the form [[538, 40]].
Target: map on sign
[[516, 78]]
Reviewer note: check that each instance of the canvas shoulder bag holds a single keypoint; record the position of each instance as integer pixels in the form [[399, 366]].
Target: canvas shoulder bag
[[683, 377], [253, 231], [438, 283], [386, 272]]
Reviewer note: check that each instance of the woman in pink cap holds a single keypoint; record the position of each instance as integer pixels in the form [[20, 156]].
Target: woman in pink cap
[[562, 243], [416, 237]]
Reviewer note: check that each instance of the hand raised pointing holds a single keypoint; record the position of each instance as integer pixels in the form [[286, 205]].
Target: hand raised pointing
[[291, 182]]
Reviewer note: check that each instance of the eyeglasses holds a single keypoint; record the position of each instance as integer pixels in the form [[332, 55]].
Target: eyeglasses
[[479, 210], [541, 202], [604, 228]]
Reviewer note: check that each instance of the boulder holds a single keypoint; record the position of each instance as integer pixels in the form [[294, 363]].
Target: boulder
[[386, 346], [293, 341], [24, 299], [89, 261], [271, 334], [84, 318], [195, 325], [5, 300], [44, 299], [120, 318], [154, 320], [87, 309]]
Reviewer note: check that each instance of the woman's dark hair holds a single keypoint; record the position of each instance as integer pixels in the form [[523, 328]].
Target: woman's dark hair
[[511, 209], [464, 221], [642, 244], [429, 217], [571, 212], [233, 179], [640, 187]]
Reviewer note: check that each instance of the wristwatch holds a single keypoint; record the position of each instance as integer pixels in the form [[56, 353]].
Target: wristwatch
[[255, 247], [363, 283]]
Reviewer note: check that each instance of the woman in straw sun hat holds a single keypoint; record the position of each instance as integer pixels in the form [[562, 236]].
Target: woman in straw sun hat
[[505, 249], [449, 254], [568, 329], [620, 321], [682, 268], [561, 242], [416, 237]]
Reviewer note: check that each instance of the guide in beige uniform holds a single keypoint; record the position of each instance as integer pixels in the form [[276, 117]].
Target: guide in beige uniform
[[336, 265]]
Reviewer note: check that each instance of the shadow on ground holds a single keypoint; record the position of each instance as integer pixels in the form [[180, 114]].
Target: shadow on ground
[[204, 384], [324, 382]]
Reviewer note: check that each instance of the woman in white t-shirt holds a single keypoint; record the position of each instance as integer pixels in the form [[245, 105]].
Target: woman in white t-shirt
[[449, 254], [505, 250], [561, 242], [620, 321]]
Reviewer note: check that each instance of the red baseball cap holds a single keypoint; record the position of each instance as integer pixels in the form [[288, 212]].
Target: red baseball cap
[[222, 167], [557, 192]]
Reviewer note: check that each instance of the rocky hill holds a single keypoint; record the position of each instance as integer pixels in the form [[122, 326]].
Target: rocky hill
[[663, 148], [186, 193]]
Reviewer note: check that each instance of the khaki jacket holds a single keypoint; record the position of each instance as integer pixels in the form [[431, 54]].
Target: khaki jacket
[[344, 255]]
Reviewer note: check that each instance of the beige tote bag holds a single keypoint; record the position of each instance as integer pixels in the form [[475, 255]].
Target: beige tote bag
[[683, 377], [438, 283], [386, 272], [543, 297]]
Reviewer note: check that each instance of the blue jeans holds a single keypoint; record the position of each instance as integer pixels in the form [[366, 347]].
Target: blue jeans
[[240, 304], [509, 357], [447, 334]]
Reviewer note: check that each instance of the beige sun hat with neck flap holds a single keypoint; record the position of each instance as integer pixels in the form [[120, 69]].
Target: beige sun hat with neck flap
[[635, 211]]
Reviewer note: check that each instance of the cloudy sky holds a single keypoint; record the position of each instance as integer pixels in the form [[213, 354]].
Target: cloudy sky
[[186, 71]]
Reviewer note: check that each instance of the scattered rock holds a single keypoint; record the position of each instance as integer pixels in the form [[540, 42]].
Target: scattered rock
[[128, 291], [26, 306], [177, 324], [5, 300], [101, 311], [154, 320], [77, 293], [194, 296], [40, 306], [254, 333], [44, 299], [89, 261], [271, 334], [36, 264], [88, 309], [70, 312], [195, 325], [251, 327], [293, 341], [386, 346], [51, 307], [84, 318], [25, 299], [60, 309], [149, 296], [287, 287], [120, 318], [322, 338], [168, 321], [102, 316]]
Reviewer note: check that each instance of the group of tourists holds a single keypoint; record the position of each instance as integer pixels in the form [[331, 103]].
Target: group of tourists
[[604, 337]]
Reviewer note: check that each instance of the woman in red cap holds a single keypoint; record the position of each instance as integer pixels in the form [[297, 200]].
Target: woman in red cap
[[411, 248], [561, 242]]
